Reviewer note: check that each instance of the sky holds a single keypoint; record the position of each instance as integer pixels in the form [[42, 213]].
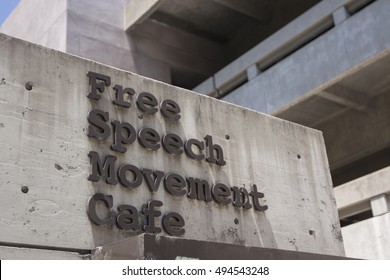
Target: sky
[[6, 7]]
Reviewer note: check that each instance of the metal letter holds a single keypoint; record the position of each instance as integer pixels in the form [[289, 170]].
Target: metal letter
[[256, 195], [172, 224], [149, 139], [198, 189], [98, 168], [210, 152], [172, 144], [190, 152], [128, 220], [119, 93], [151, 213], [91, 211], [221, 194], [119, 139], [98, 119], [124, 181], [146, 103], [241, 198], [153, 184], [170, 110], [174, 184], [105, 81]]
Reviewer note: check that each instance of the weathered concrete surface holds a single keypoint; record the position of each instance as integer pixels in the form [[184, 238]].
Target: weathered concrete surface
[[380, 204], [368, 239], [147, 246], [40, 21], [45, 147], [18, 253]]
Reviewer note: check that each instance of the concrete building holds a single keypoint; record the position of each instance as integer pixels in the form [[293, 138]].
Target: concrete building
[[322, 64]]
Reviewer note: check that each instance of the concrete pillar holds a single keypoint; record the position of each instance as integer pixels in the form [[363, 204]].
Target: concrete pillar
[[252, 72], [340, 15], [380, 204]]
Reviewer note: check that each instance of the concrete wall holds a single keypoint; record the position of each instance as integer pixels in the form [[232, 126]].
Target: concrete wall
[[368, 239], [98, 33], [45, 148], [39, 21]]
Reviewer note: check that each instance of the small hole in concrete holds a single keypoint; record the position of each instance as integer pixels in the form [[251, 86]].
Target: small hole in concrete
[[227, 137], [24, 189], [28, 86], [58, 167], [299, 156], [312, 232], [236, 221], [140, 117]]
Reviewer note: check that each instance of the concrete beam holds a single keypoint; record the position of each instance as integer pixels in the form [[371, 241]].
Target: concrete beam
[[328, 118], [252, 72], [340, 15], [380, 204], [354, 210], [139, 10], [346, 97], [258, 10], [362, 189]]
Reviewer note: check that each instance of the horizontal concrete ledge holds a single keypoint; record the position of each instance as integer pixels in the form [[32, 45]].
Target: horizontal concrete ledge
[[147, 246], [360, 191], [23, 253], [291, 37]]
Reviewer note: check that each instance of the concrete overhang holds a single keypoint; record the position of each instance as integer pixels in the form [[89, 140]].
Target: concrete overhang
[[338, 83], [199, 27], [138, 10]]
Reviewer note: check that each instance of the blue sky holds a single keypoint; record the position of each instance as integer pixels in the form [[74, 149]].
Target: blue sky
[[6, 7]]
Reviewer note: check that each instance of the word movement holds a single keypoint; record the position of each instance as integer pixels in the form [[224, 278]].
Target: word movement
[[130, 176]]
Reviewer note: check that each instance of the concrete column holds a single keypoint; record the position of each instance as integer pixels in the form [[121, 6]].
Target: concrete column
[[252, 72], [380, 204], [340, 15]]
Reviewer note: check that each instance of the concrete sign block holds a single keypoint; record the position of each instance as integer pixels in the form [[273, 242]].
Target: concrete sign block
[[92, 155]]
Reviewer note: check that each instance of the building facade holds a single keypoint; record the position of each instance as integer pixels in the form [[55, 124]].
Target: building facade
[[322, 64]]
